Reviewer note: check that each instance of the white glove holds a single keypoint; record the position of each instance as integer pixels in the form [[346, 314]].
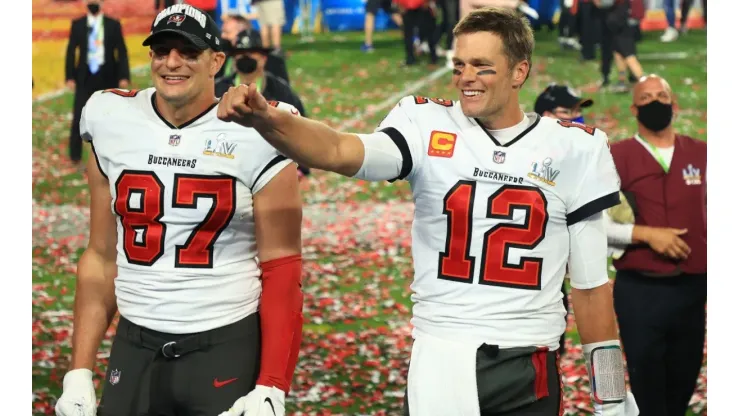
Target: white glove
[[78, 394], [262, 401], [628, 407]]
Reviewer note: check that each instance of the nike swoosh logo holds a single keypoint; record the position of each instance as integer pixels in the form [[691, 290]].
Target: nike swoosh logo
[[269, 401], [218, 384]]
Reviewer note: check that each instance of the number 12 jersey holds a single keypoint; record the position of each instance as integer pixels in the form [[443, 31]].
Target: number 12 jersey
[[490, 235]]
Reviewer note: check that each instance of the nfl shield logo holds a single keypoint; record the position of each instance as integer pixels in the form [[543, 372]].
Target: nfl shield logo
[[174, 140], [115, 376], [499, 156]]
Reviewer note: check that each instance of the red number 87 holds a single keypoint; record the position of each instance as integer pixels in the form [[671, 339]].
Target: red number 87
[[139, 203]]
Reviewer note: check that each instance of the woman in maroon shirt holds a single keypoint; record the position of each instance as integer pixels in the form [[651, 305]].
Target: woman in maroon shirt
[[660, 291]]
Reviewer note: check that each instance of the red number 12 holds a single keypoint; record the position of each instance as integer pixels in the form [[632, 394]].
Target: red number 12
[[457, 264]]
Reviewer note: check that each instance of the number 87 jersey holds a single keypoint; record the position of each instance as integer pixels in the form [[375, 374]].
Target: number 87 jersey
[[491, 235], [182, 197]]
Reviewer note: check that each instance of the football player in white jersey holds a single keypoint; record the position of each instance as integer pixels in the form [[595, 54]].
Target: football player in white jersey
[[194, 239], [503, 202]]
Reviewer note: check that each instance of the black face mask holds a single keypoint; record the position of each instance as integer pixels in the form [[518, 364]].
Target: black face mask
[[655, 116], [94, 8], [246, 65]]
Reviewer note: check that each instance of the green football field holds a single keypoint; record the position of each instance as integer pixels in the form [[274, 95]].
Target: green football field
[[357, 261]]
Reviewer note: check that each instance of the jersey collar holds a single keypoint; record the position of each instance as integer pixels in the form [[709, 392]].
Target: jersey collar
[[187, 123], [515, 139]]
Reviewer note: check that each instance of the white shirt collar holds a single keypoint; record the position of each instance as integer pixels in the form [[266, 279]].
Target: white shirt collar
[[508, 134], [92, 20]]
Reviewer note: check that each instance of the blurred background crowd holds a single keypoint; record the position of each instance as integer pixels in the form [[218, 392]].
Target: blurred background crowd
[[585, 26], [607, 30], [292, 49]]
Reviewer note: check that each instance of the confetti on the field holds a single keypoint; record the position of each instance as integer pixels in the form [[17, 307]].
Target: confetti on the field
[[356, 343], [358, 267]]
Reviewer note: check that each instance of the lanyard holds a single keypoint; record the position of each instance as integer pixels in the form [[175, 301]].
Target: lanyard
[[258, 81], [656, 154], [229, 67]]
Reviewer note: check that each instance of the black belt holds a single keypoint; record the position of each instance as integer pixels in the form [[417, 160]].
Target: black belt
[[172, 346]]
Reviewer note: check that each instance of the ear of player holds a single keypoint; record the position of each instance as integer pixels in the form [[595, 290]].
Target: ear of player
[[243, 104]]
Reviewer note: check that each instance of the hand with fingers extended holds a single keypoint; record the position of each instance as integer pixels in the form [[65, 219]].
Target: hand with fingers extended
[[667, 242], [244, 105]]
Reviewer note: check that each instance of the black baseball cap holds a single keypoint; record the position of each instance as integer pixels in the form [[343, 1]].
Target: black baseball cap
[[249, 40], [193, 24], [559, 96]]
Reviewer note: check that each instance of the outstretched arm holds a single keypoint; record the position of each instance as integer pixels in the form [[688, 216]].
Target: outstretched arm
[[394, 151], [307, 142]]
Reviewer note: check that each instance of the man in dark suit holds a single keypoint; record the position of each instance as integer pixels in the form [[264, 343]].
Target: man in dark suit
[[102, 63]]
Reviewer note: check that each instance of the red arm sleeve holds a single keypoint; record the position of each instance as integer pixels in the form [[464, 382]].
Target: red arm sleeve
[[281, 321]]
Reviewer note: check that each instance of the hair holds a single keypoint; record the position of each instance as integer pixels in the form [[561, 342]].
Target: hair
[[239, 19], [514, 30]]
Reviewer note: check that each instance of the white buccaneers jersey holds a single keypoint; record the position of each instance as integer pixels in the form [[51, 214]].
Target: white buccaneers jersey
[[182, 197], [491, 224]]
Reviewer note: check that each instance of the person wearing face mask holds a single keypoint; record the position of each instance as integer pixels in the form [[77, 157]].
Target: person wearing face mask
[[561, 102], [231, 32], [103, 63], [660, 291], [250, 59], [231, 27]]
